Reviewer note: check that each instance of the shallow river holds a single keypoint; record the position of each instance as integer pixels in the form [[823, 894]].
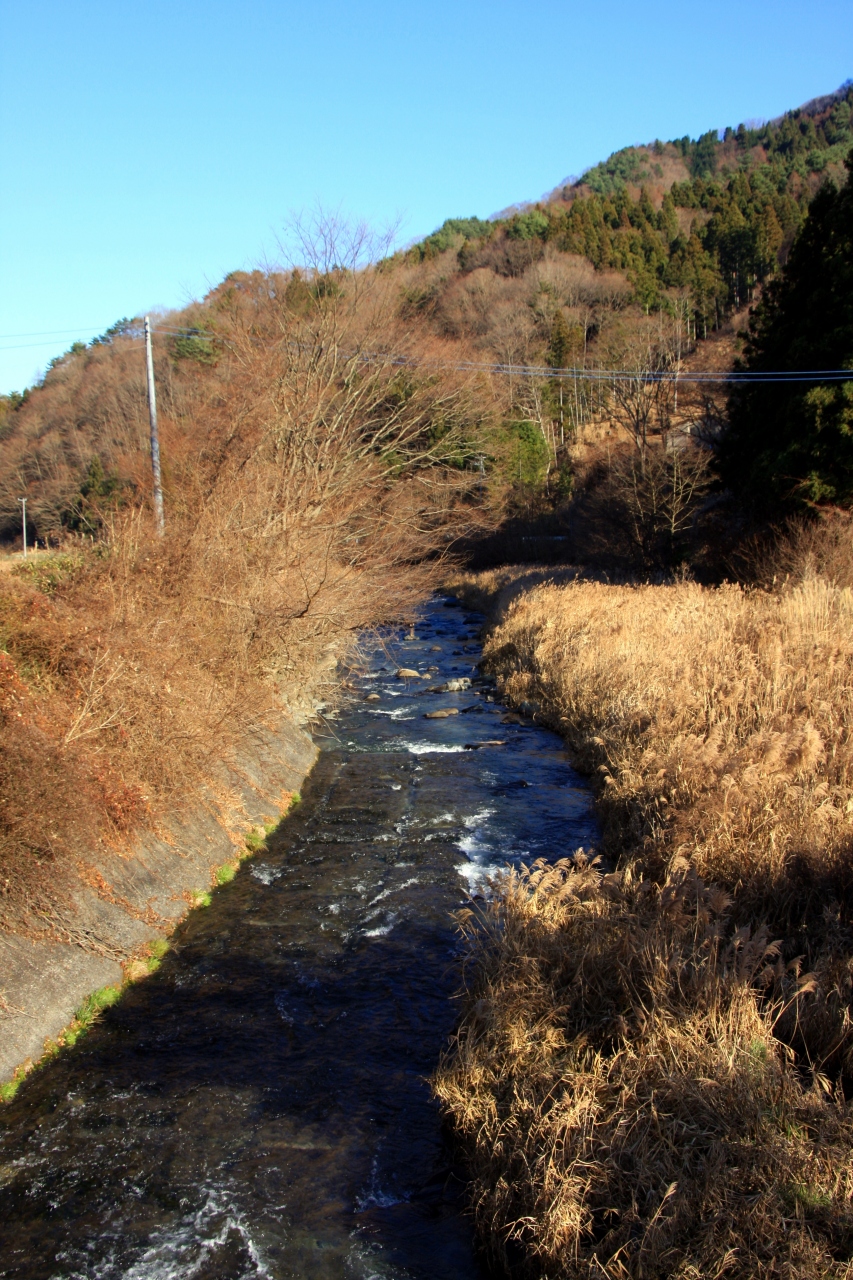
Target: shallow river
[[259, 1107]]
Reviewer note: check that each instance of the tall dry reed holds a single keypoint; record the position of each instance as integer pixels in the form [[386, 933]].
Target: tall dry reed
[[719, 723], [623, 1103], [647, 1076]]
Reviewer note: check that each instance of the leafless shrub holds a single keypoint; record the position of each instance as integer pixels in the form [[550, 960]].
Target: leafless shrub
[[503, 256], [820, 547], [641, 395], [574, 282], [651, 499]]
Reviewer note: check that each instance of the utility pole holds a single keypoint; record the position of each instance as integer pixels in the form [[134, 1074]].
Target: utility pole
[[159, 518], [23, 503]]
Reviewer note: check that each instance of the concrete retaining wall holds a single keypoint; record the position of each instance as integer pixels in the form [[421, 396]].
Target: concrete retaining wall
[[128, 898]]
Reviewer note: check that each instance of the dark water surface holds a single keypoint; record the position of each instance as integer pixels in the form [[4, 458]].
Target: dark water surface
[[259, 1107]]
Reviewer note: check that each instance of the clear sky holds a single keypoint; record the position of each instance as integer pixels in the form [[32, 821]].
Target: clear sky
[[148, 149]]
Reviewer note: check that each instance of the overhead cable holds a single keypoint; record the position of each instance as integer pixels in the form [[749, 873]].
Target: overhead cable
[[509, 369]]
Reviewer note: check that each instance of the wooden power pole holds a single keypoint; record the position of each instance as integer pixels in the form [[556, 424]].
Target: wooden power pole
[[23, 503], [159, 517]]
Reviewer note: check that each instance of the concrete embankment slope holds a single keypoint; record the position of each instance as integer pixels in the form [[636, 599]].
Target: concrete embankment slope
[[127, 898]]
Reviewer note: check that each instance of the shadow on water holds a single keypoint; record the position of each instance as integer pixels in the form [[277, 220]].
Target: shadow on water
[[260, 1106]]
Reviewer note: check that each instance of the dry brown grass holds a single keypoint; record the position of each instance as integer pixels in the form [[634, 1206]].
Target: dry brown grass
[[624, 1105], [718, 721], [642, 1087]]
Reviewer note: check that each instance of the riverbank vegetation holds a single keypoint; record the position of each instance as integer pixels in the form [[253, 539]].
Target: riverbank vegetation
[[651, 1068], [306, 487]]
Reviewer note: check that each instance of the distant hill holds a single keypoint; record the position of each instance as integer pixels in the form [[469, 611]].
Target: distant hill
[[710, 217], [660, 246], [806, 143]]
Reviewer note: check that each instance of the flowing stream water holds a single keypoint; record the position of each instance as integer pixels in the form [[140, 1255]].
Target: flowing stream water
[[260, 1106]]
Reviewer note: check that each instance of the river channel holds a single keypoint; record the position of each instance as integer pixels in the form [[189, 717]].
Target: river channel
[[260, 1106]]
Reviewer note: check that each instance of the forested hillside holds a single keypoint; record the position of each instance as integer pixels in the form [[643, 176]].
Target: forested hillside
[[647, 264], [713, 217], [789, 443], [307, 493]]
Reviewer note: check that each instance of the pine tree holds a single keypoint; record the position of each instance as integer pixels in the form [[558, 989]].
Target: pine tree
[[560, 346], [769, 237], [792, 444], [668, 220]]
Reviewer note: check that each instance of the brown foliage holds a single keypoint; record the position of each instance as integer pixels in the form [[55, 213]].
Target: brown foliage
[[624, 1104], [90, 405], [48, 806], [819, 547], [309, 492], [641, 1086]]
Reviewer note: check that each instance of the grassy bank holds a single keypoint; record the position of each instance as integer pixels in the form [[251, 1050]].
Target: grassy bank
[[648, 1077]]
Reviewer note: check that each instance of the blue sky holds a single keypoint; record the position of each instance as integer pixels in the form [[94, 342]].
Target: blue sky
[[147, 149]]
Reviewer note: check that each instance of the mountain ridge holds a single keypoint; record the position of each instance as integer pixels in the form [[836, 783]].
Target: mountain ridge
[[573, 182]]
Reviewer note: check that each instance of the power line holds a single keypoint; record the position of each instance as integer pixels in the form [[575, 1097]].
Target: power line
[[30, 346], [130, 337], [506, 369], [49, 333], [59, 333], [618, 375]]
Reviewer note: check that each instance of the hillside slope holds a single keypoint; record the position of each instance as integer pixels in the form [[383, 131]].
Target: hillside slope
[[710, 218], [651, 258]]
